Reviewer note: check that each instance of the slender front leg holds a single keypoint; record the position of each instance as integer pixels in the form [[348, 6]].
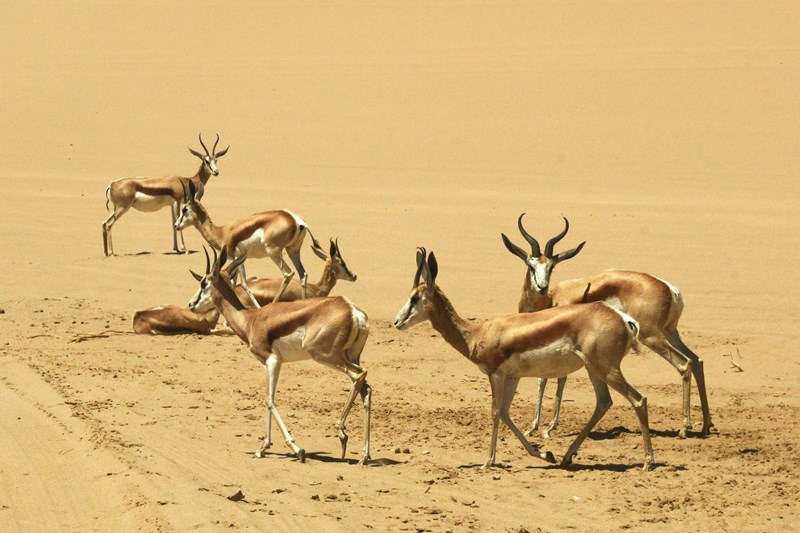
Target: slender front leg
[[287, 272], [273, 365], [246, 288], [176, 210], [505, 388], [537, 413], [495, 426], [559, 397]]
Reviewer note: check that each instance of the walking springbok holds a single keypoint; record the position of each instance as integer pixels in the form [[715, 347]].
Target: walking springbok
[[265, 234], [265, 290], [331, 331], [152, 194], [174, 320], [551, 343], [655, 303]]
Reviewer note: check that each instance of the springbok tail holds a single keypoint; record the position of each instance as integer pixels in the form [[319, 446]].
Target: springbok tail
[[314, 242], [108, 195], [633, 328]]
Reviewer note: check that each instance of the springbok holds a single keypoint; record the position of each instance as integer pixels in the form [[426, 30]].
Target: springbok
[[265, 234], [152, 194], [655, 303], [265, 289], [551, 343], [174, 320], [331, 331]]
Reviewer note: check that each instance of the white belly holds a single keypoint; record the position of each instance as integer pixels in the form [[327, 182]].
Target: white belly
[[554, 361], [290, 347], [253, 245], [147, 203]]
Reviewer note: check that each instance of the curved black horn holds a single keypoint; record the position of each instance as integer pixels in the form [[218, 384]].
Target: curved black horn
[[208, 260], [200, 136], [214, 150], [548, 248], [535, 251]]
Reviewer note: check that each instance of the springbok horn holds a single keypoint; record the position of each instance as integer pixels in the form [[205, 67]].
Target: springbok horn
[[548, 248], [208, 260], [535, 251], [214, 150], [420, 266], [200, 136]]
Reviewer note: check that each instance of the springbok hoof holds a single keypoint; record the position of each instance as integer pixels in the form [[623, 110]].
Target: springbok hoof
[[301, 454], [550, 458]]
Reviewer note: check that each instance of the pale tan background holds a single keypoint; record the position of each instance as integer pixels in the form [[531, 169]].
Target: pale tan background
[[667, 132]]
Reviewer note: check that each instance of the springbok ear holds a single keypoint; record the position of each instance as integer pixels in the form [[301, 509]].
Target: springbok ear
[[514, 249], [221, 153], [319, 253], [563, 256], [196, 276], [433, 270], [196, 154]]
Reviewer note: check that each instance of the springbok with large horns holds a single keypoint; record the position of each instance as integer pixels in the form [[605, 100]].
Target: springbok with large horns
[[331, 331], [264, 290], [655, 303], [265, 234], [551, 343], [152, 194]]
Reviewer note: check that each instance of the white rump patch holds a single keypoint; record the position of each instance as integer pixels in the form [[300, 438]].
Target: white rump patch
[[676, 292]]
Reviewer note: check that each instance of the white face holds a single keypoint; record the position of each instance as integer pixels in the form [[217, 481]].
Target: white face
[[211, 164], [540, 272], [341, 271], [201, 301], [186, 217], [413, 312]]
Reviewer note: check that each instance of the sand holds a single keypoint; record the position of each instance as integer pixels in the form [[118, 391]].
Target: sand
[[666, 132]]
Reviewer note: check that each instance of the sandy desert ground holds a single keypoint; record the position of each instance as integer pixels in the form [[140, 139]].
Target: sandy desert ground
[[667, 133]]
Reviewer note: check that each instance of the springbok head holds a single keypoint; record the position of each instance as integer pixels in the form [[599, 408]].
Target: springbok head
[[191, 205], [541, 265], [416, 309], [340, 269], [201, 301], [210, 159]]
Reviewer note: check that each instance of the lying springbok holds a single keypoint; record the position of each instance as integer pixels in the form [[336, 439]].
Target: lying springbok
[[152, 194], [331, 331], [265, 290], [174, 320], [551, 343], [265, 234], [656, 304]]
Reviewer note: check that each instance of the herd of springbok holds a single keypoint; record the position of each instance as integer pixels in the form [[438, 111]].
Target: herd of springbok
[[590, 322]]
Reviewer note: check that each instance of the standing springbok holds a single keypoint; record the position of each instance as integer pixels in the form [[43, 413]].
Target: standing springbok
[[331, 331], [656, 304], [152, 194], [265, 289], [550, 343], [174, 320], [265, 234]]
